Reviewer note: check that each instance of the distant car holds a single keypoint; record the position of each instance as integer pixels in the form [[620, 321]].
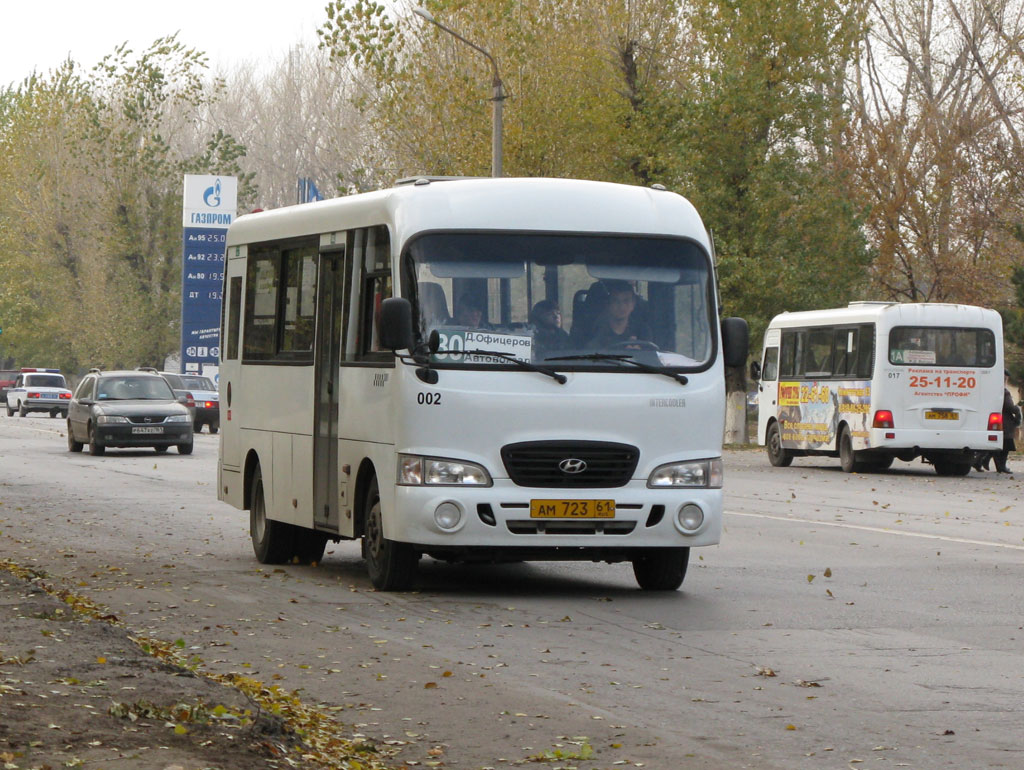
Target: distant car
[[203, 392], [39, 390], [127, 409], [752, 399], [7, 378]]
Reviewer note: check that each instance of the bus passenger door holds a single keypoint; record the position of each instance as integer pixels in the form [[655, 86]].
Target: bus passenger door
[[329, 314], [768, 388]]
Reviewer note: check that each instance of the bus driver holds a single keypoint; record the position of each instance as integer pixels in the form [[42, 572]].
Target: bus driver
[[619, 326]]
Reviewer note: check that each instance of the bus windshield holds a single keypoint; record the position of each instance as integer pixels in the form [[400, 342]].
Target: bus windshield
[[563, 300]]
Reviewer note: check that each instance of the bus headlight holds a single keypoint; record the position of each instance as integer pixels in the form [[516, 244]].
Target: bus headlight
[[414, 470], [695, 473]]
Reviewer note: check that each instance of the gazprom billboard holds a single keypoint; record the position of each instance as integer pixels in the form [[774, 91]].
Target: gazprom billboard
[[209, 207]]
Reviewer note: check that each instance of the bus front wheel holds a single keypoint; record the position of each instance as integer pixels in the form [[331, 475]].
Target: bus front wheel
[[390, 565], [777, 456], [271, 540], [661, 569]]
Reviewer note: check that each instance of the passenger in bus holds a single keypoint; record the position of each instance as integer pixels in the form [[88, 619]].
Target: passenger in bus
[[546, 319], [619, 326], [469, 311]]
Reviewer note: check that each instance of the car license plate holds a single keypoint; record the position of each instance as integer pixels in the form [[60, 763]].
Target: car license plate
[[572, 509], [933, 414], [49, 395], [147, 429]]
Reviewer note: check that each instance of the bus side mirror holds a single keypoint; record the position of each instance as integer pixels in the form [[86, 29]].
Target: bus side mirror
[[755, 370], [396, 324], [735, 341]]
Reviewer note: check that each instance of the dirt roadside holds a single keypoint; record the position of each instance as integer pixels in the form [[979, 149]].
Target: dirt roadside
[[77, 690]]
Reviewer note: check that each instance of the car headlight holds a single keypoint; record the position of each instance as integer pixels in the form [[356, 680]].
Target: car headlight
[[695, 473], [178, 418], [414, 470], [106, 419]]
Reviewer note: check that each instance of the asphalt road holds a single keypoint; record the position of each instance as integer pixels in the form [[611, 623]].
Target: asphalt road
[[845, 620]]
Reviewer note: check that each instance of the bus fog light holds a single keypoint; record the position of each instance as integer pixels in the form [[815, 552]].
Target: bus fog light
[[690, 517], [448, 515]]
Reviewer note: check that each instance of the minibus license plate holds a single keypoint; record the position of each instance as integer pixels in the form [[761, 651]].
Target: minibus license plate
[[931, 414], [151, 429], [572, 509]]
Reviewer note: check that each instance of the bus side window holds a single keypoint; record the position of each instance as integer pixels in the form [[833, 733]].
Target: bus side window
[[770, 368], [845, 352], [260, 303], [790, 354], [865, 364], [234, 311], [376, 286], [819, 352]]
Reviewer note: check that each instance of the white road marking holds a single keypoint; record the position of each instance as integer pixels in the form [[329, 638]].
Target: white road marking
[[880, 530]]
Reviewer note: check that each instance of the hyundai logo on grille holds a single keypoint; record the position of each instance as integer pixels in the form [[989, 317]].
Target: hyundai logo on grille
[[572, 465]]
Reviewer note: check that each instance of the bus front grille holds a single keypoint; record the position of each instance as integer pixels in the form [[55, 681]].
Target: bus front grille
[[570, 464]]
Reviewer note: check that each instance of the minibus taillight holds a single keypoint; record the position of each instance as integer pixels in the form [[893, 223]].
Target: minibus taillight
[[995, 421], [883, 419]]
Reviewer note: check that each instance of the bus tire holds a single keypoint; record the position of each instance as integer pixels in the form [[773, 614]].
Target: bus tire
[[308, 546], [777, 455], [847, 457], [661, 569], [882, 463], [271, 540], [390, 565], [952, 467]]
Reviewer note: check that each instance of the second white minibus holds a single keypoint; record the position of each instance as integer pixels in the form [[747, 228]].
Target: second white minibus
[[877, 381], [477, 369]]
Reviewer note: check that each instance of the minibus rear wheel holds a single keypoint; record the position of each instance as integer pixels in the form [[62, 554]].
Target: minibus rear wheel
[[661, 569], [390, 565], [777, 456]]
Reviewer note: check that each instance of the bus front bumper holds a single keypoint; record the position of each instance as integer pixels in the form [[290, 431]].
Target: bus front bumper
[[500, 517]]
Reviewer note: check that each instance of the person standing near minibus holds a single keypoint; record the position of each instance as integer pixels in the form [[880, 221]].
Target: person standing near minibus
[[1011, 421]]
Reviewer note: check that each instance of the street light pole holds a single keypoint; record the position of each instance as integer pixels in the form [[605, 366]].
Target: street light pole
[[498, 95]]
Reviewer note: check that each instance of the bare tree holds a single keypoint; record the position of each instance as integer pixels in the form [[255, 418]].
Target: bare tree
[[295, 119], [938, 106]]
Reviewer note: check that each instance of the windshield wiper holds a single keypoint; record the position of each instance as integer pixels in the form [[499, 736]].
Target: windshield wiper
[[561, 379], [626, 358]]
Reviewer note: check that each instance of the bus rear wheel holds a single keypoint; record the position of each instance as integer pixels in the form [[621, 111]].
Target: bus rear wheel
[[271, 540], [390, 565], [847, 457], [777, 456], [661, 569], [952, 467]]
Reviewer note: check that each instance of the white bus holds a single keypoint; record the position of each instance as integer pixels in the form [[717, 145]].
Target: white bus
[[494, 433], [877, 380]]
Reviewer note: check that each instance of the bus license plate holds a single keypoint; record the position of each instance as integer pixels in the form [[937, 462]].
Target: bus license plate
[[150, 429], [933, 415], [572, 509]]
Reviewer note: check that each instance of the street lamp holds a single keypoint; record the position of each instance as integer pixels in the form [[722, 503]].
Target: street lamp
[[497, 100]]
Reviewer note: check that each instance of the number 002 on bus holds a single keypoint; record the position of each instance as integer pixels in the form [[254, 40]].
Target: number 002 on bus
[[572, 509]]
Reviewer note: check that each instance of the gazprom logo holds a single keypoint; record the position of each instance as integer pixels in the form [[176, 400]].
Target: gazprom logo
[[211, 197]]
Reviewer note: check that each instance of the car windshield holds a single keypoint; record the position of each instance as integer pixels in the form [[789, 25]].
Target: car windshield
[[45, 381], [565, 301], [198, 383], [133, 388]]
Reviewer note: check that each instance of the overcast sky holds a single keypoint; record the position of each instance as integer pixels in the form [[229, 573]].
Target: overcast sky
[[39, 35]]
